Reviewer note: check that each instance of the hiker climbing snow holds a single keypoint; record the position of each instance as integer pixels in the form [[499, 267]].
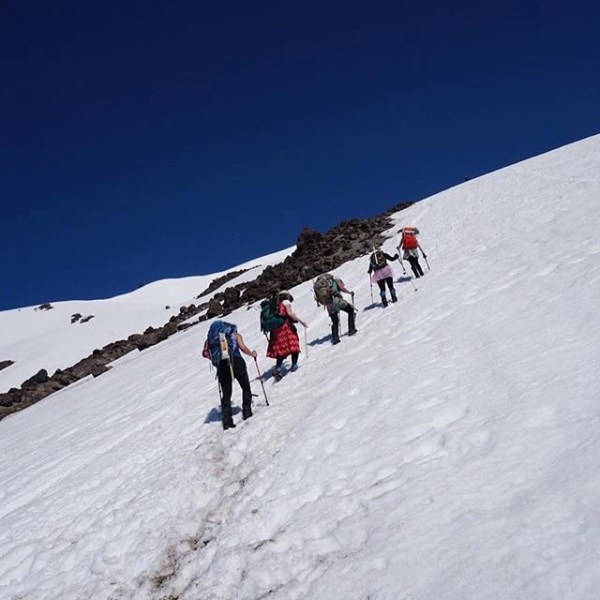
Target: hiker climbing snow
[[381, 274], [328, 293], [223, 346], [283, 340], [411, 246]]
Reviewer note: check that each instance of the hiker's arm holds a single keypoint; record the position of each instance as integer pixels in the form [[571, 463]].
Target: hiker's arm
[[343, 288], [293, 316], [243, 347], [388, 257], [421, 249]]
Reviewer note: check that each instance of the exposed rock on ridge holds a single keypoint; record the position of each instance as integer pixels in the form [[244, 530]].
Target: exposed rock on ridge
[[315, 253]]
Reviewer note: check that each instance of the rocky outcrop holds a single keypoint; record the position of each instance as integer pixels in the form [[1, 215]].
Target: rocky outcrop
[[45, 306], [41, 385], [214, 308], [315, 253], [6, 363], [215, 284]]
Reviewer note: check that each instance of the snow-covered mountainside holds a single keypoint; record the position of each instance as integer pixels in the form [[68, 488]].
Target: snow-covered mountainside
[[447, 451], [46, 339]]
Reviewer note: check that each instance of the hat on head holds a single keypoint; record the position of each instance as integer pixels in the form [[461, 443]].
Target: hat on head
[[285, 294]]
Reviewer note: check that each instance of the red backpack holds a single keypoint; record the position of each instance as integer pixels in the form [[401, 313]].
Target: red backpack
[[409, 238]]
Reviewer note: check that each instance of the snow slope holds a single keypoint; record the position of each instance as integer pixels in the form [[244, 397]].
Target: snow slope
[[39, 339], [447, 451]]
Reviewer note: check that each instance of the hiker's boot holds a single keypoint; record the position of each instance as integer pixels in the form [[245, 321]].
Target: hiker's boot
[[394, 297], [246, 411], [278, 373], [384, 301], [226, 415]]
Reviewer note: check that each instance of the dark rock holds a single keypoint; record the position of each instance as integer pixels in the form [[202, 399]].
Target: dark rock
[[64, 378], [214, 308], [75, 318], [45, 306], [220, 281], [231, 299], [99, 370], [6, 363], [7, 399], [157, 335], [86, 319], [40, 377]]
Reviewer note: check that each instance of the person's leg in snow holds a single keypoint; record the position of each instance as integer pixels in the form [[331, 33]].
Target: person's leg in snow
[[294, 366], [335, 327], [419, 268], [225, 381], [381, 284], [278, 370], [390, 283], [349, 309], [241, 374], [414, 265]]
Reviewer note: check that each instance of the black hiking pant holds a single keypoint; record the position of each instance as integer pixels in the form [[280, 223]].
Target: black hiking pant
[[335, 322], [240, 372], [390, 283], [415, 266]]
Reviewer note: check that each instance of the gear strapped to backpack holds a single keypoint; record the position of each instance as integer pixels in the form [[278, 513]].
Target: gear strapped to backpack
[[409, 238], [270, 317], [221, 343], [325, 288], [377, 260]]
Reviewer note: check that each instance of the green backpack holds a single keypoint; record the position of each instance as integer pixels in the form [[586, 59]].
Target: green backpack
[[270, 319]]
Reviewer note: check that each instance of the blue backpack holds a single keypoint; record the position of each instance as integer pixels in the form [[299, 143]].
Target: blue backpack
[[218, 333]]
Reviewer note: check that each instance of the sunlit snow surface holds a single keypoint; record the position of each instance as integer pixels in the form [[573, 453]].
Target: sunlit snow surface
[[450, 450]]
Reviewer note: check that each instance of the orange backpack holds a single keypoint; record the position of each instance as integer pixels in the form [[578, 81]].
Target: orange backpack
[[409, 238]]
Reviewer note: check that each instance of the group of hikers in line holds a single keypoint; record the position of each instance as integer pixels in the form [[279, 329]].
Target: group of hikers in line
[[224, 344]]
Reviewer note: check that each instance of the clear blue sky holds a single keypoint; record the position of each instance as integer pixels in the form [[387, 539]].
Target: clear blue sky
[[144, 140]]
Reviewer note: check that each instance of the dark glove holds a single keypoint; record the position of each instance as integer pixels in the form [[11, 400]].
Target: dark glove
[[424, 255], [395, 257]]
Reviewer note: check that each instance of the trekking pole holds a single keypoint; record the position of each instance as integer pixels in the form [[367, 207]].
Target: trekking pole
[[352, 296], [261, 381], [427, 263], [371, 287], [305, 343], [400, 260]]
